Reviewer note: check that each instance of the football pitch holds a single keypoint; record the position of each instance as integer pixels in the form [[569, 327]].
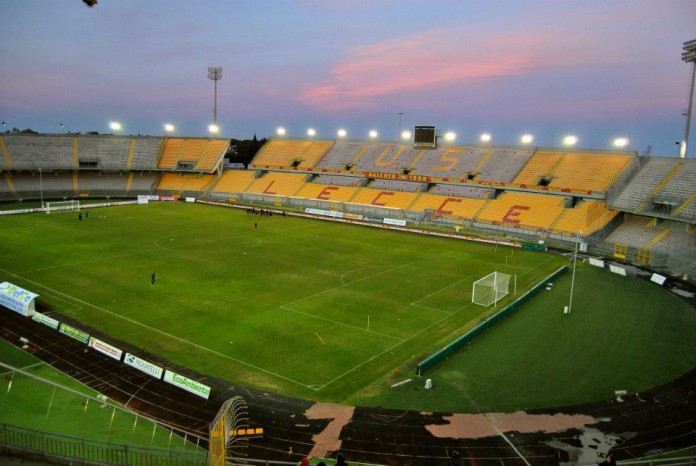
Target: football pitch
[[332, 312]]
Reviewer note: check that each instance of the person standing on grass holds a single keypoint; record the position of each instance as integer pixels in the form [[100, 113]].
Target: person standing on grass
[[153, 278]]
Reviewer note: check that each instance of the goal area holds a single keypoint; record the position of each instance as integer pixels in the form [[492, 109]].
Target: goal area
[[490, 289], [56, 206]]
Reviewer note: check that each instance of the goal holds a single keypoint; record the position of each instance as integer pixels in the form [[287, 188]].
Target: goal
[[490, 289], [62, 205]]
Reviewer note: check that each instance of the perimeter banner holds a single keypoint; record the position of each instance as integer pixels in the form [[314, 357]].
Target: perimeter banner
[[187, 384], [105, 348], [73, 332], [143, 365], [48, 321]]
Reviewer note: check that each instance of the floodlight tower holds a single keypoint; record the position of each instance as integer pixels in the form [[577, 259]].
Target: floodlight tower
[[689, 56], [215, 74]]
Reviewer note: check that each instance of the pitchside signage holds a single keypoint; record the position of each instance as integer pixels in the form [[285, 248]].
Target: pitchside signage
[[187, 384], [143, 365], [17, 299], [73, 332], [48, 321], [105, 348]]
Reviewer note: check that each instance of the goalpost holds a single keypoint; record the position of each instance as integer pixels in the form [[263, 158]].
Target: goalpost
[[491, 288], [62, 205]]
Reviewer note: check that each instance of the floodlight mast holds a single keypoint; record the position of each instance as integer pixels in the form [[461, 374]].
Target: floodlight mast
[[689, 56], [215, 74]]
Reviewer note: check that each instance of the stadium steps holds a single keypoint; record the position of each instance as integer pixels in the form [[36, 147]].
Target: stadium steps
[[657, 239], [677, 168], [6, 153], [359, 154], [10, 183], [131, 154], [416, 160], [313, 153], [477, 168], [76, 154], [684, 204]]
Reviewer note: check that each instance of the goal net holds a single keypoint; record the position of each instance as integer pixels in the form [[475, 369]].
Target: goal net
[[490, 289], [62, 205]]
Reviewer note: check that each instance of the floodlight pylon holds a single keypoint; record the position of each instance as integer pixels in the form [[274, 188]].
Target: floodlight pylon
[[215, 74], [689, 56]]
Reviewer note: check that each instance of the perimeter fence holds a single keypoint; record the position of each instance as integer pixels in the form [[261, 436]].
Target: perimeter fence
[[64, 449]]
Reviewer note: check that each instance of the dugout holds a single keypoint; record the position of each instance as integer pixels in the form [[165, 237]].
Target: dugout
[[18, 299]]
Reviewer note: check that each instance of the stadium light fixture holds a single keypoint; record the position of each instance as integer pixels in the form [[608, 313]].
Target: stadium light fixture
[[168, 128], [486, 137], [280, 131], [689, 56], [405, 135], [570, 140], [311, 132], [621, 143], [527, 138], [213, 128], [215, 74], [341, 133], [115, 126], [450, 136], [373, 134]]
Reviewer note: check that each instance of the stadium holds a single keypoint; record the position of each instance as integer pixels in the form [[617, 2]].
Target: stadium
[[391, 301]]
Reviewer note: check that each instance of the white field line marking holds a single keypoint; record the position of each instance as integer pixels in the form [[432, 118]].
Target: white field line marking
[[536, 266], [431, 309], [415, 303], [386, 351], [340, 323], [173, 337], [343, 277], [507, 440], [287, 307], [343, 285]]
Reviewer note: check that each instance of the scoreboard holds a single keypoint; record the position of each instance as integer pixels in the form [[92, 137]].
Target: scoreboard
[[424, 136]]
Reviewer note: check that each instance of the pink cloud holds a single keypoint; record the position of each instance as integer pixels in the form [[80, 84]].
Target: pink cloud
[[466, 55], [426, 61]]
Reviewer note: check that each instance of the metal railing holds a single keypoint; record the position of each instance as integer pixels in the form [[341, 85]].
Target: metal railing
[[56, 447]]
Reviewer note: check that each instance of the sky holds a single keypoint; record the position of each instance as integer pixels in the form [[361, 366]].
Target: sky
[[597, 69]]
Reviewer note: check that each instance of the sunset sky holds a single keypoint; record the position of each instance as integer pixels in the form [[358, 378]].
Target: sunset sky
[[598, 69]]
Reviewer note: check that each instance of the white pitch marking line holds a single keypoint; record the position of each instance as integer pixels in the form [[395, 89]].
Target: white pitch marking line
[[339, 323], [390, 269], [507, 440]]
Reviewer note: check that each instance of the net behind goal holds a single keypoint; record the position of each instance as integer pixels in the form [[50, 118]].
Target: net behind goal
[[490, 289], [62, 205]]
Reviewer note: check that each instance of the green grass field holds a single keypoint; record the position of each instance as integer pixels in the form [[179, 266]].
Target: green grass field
[[338, 313]]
